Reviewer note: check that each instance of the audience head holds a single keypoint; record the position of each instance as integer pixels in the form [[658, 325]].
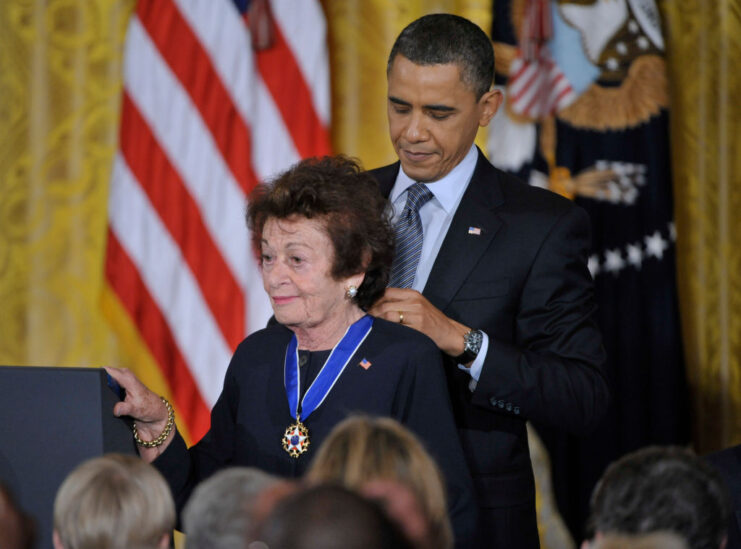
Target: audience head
[[443, 38], [16, 527], [662, 489], [345, 200], [362, 452], [220, 512], [113, 502], [330, 517]]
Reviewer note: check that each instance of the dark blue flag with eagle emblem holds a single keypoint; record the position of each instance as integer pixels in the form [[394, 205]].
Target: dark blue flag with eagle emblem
[[586, 115]]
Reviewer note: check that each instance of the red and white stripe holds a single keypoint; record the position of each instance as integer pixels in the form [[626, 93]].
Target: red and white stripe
[[537, 88], [204, 118]]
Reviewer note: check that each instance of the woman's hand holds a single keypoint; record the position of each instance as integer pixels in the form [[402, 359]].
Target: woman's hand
[[145, 407]]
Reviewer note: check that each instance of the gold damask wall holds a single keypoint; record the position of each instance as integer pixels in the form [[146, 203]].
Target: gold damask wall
[[60, 91], [704, 46], [60, 86]]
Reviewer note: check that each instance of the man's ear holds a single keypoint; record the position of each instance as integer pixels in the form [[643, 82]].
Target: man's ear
[[489, 105]]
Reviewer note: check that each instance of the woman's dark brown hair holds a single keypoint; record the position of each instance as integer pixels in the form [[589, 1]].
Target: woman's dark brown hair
[[336, 191]]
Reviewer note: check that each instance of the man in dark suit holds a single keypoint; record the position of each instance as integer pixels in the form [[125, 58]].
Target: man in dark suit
[[492, 270]]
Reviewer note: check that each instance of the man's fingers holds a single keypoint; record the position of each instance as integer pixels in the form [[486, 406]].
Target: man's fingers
[[396, 294]]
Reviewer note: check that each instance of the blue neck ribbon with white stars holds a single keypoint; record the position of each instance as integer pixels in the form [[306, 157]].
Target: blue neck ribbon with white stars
[[328, 375]]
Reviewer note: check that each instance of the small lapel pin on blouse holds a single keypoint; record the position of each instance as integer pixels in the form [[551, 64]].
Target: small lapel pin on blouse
[[474, 230], [365, 364]]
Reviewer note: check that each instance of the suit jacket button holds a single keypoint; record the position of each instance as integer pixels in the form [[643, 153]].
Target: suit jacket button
[[517, 410], [509, 406], [493, 401], [500, 404]]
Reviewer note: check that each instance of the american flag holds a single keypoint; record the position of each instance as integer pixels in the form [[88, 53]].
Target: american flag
[[218, 95], [536, 85]]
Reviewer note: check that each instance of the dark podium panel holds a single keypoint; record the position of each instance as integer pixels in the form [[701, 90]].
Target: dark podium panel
[[52, 419]]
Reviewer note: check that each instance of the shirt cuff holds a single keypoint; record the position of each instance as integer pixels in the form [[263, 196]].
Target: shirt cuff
[[475, 369]]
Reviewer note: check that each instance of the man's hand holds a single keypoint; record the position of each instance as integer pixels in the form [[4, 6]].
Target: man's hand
[[412, 308]]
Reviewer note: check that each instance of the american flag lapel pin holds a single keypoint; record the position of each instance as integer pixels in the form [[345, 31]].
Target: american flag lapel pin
[[474, 230], [365, 364]]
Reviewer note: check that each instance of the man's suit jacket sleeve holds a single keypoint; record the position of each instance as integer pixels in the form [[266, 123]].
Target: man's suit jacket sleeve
[[552, 371]]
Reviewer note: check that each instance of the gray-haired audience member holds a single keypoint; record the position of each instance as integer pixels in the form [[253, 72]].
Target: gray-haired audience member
[[330, 517], [661, 489], [219, 514], [113, 502]]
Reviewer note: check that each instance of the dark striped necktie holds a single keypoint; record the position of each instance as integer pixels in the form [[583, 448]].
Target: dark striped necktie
[[409, 238]]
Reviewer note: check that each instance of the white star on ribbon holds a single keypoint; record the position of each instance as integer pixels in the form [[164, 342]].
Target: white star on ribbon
[[635, 255], [301, 438], [614, 261], [630, 196], [656, 245], [593, 265]]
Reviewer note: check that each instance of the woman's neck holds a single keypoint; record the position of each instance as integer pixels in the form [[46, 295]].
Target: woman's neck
[[327, 334]]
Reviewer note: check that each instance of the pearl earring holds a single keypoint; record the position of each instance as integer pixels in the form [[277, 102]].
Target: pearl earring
[[351, 292]]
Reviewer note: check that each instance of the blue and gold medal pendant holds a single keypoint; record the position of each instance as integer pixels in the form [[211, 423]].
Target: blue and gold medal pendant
[[296, 439]]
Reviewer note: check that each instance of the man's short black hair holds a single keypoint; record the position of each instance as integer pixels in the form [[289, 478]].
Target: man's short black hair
[[662, 488], [443, 38]]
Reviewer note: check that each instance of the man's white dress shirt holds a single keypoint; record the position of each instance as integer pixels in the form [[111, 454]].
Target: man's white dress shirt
[[436, 216]]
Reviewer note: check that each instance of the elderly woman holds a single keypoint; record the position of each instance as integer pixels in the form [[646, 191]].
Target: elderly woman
[[326, 247]]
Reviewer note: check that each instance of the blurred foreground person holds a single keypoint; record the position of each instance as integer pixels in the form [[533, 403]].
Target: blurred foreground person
[[113, 502], [16, 527], [221, 512], [329, 517], [326, 246], [363, 453], [659, 489]]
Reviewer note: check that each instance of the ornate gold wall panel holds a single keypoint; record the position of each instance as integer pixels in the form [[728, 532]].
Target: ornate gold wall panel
[[60, 89], [60, 65], [704, 56]]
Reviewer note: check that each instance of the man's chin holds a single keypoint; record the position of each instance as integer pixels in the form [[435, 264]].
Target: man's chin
[[418, 173]]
